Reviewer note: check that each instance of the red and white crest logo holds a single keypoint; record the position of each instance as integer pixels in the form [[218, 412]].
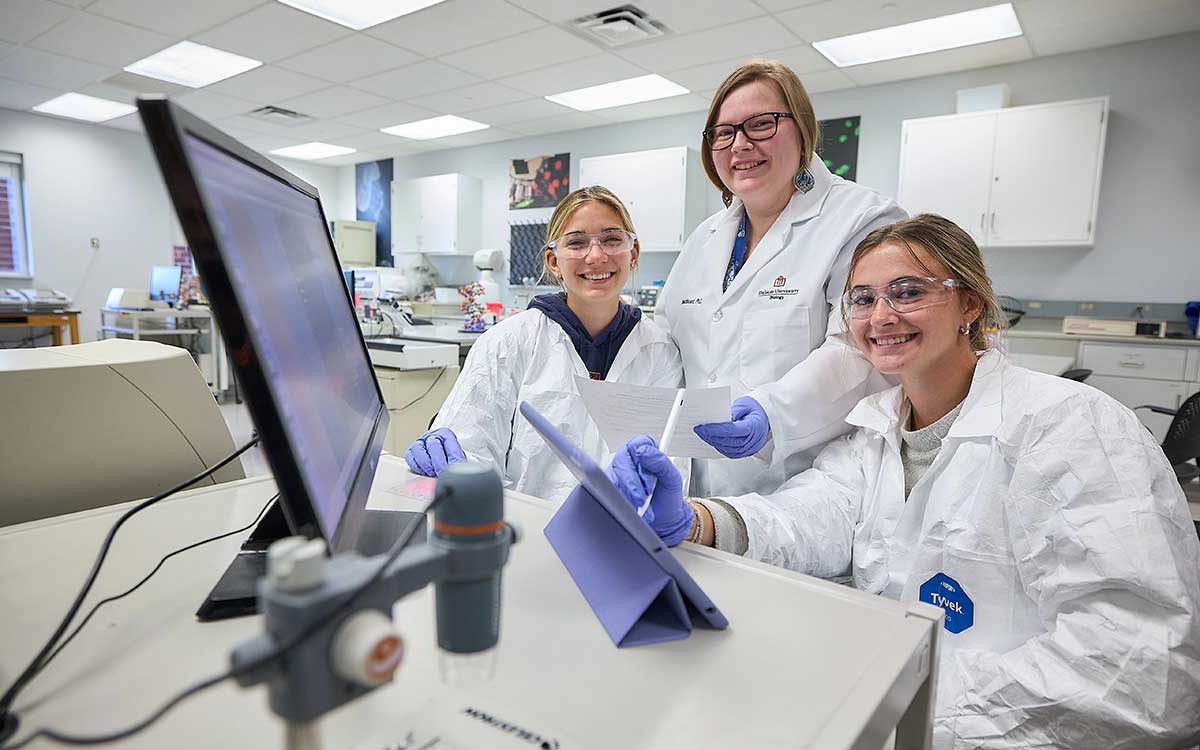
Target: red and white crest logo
[[780, 280]]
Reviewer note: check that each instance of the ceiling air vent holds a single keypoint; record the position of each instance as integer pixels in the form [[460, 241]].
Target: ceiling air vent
[[619, 26], [279, 116]]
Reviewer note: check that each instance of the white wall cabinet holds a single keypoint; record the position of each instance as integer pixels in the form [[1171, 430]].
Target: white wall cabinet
[[437, 215], [664, 190], [1017, 177]]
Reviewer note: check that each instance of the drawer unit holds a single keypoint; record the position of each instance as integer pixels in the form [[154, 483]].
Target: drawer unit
[[1134, 361]]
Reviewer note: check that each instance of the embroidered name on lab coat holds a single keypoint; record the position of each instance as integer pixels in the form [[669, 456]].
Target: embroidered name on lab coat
[[692, 301]]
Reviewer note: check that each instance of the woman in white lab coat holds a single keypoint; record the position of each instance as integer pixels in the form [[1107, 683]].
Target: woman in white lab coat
[[1036, 511], [584, 331], [748, 301]]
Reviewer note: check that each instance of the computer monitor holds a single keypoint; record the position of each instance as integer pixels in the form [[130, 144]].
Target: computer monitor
[[164, 283], [259, 238]]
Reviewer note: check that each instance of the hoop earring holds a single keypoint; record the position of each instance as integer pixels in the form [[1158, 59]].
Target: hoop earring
[[804, 180]]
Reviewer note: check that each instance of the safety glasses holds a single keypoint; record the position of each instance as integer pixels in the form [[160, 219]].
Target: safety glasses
[[902, 295], [577, 245]]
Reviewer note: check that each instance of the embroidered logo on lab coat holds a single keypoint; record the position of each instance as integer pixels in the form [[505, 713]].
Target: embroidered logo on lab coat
[[780, 281], [943, 591]]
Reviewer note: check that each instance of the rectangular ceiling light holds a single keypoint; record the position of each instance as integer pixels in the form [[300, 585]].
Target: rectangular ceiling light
[[313, 151], [191, 64], [917, 38], [360, 14], [435, 127], [83, 107], [617, 93]]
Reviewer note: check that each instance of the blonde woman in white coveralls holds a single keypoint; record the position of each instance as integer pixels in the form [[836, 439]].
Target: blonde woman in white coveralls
[[753, 312], [1036, 511]]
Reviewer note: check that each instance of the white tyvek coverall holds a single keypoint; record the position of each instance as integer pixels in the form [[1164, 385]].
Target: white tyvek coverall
[[530, 358], [1058, 515]]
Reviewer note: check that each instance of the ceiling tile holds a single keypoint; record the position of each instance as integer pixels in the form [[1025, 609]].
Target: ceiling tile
[[491, 135], [746, 37], [577, 74], [177, 19], [778, 5], [1054, 28], [708, 76], [265, 143], [826, 80], [23, 20], [373, 140], [835, 18], [557, 11], [333, 102], [454, 25], [659, 108], [355, 56], [272, 32], [267, 84], [252, 125], [323, 130], [101, 40], [520, 111], [415, 80], [947, 61], [686, 16], [213, 106], [14, 95], [44, 69], [572, 121], [478, 96], [801, 59], [540, 48], [131, 122], [388, 115]]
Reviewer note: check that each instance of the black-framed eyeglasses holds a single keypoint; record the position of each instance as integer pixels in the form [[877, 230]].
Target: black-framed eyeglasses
[[759, 127]]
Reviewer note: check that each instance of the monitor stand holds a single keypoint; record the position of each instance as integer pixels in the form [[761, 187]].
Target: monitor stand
[[236, 595]]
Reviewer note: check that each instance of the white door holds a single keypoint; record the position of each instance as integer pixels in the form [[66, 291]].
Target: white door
[[652, 185], [946, 168], [1047, 168]]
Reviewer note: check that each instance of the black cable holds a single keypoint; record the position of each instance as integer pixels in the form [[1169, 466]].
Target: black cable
[[147, 577], [278, 653], [36, 665], [423, 395]]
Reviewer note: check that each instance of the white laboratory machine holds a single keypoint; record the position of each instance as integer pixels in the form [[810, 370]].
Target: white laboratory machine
[[486, 262]]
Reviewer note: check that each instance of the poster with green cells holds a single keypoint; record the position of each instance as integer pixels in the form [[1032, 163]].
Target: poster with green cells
[[839, 145]]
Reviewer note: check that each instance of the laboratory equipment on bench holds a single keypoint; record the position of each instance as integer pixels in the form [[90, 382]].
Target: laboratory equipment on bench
[[164, 285], [41, 300], [122, 298], [1101, 327], [487, 261], [404, 354], [338, 612], [11, 300]]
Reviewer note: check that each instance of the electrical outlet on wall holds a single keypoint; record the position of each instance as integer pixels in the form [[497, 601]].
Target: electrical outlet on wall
[[95, 243], [1086, 306]]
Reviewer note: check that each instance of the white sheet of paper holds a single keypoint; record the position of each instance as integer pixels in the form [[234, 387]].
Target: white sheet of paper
[[623, 411]]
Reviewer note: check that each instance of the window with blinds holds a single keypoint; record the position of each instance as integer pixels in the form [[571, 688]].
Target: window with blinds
[[14, 246]]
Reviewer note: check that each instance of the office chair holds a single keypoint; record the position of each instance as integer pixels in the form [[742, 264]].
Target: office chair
[[1078, 375], [1182, 443]]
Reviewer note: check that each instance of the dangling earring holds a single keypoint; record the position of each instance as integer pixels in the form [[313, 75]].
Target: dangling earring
[[804, 180], [964, 330]]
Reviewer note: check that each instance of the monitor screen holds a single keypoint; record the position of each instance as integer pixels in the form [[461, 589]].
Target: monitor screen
[[164, 283], [284, 275]]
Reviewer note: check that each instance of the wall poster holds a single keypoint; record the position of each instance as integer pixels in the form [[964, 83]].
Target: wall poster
[[839, 145], [373, 202], [539, 181]]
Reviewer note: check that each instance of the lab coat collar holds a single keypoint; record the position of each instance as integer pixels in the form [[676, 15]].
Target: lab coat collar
[[980, 415], [801, 208]]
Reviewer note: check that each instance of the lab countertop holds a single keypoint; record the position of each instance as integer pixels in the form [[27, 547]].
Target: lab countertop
[[440, 334], [1051, 328]]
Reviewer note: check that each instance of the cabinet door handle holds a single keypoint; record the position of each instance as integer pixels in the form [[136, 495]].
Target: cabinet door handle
[[982, 216], [1131, 362], [993, 223]]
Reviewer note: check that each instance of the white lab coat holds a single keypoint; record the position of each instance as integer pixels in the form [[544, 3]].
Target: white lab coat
[[530, 358], [1058, 515], [776, 333]]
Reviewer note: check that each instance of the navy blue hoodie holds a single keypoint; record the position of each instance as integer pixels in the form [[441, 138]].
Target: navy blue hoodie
[[597, 354]]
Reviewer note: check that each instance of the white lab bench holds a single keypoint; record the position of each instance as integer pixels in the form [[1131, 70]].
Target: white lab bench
[[804, 664], [170, 323], [1135, 370]]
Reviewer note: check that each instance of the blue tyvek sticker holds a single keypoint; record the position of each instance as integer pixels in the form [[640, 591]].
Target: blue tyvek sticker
[[943, 591]]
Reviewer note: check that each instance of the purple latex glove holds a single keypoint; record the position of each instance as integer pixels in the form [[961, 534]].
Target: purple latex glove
[[640, 469], [743, 435], [431, 453]]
